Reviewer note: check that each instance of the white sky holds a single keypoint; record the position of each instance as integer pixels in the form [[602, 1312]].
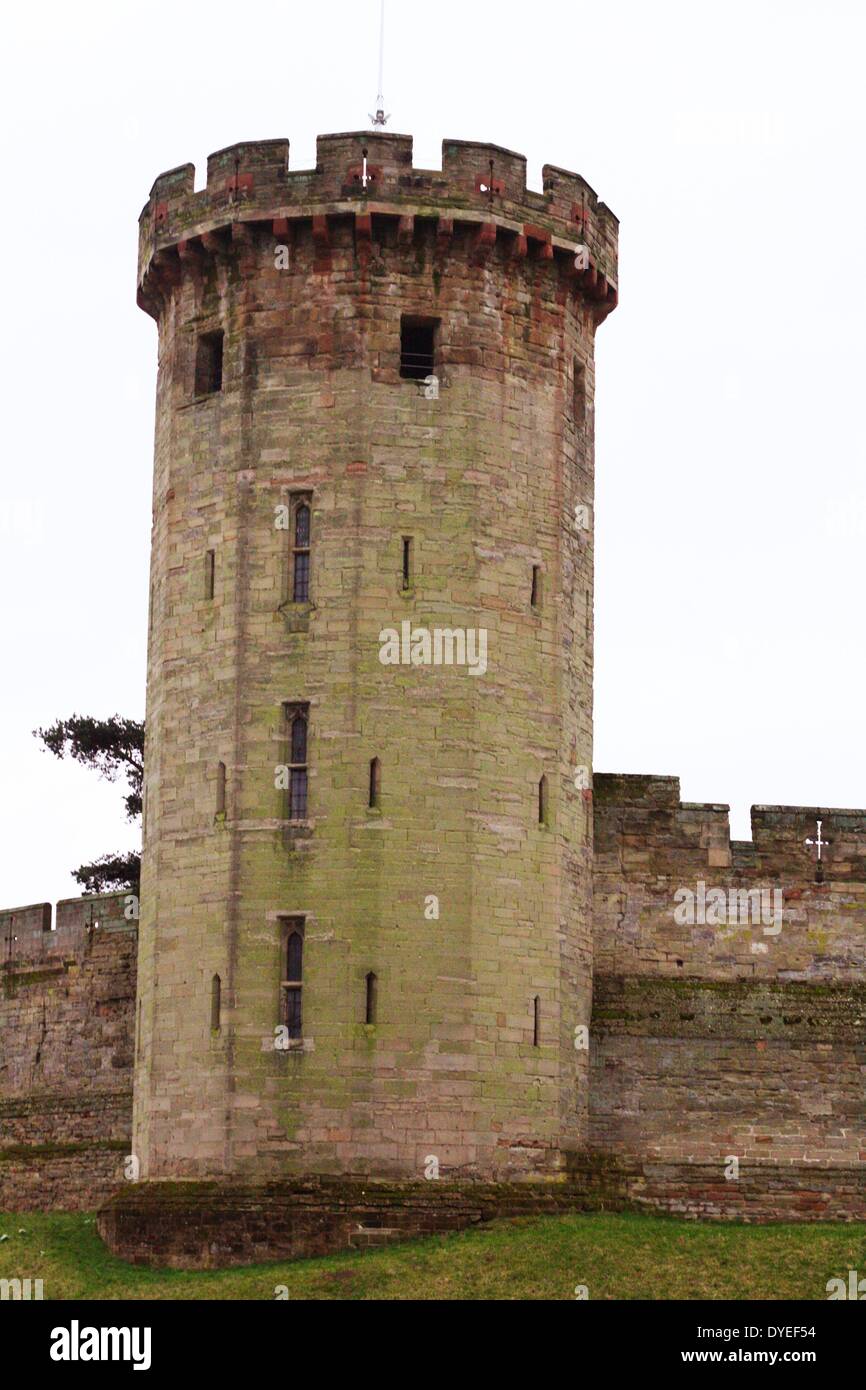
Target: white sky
[[731, 517]]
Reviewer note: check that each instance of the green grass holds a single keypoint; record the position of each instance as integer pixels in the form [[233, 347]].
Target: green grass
[[616, 1256]]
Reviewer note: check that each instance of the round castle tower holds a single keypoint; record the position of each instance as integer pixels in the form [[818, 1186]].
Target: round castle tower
[[365, 937]]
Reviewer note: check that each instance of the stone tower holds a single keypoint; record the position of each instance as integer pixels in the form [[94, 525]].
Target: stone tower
[[365, 940]]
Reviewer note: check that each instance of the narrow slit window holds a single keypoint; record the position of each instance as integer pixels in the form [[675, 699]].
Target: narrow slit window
[[535, 593], [209, 573], [407, 562], [375, 783], [221, 789], [417, 347], [301, 553], [215, 1003], [536, 1021], [297, 723], [209, 364], [291, 985], [371, 992], [579, 393], [542, 801]]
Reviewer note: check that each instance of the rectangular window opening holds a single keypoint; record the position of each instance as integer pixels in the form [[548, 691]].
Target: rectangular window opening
[[371, 1000], [292, 975], [209, 363], [579, 393], [535, 597], [215, 1003], [296, 721], [375, 783], [301, 547], [209, 573], [407, 562], [417, 346]]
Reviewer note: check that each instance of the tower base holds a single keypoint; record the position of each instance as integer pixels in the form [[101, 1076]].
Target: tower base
[[214, 1225]]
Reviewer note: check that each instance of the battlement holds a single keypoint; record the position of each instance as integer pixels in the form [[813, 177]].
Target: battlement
[[366, 174], [641, 818], [27, 934]]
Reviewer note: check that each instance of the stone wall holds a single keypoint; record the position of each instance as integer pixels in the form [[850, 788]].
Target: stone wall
[[702, 1048], [194, 1225], [731, 1031], [67, 1017]]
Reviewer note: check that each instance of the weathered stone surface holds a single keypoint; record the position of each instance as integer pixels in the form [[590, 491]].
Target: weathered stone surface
[[193, 1225], [67, 1025], [485, 479], [741, 1037]]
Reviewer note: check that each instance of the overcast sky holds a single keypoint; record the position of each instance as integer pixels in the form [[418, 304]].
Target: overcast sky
[[731, 489]]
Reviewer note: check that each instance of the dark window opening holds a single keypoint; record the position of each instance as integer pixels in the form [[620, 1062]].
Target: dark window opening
[[542, 801], [298, 810], [535, 597], [301, 578], [407, 562], [417, 347], [370, 1010], [301, 554], [296, 717], [221, 789], [209, 573], [299, 739], [579, 393], [292, 982], [375, 782], [215, 1003], [536, 1021], [209, 364]]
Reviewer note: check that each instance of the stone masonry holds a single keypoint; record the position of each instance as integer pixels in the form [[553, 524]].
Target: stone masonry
[[468, 897], [744, 1036], [67, 1026]]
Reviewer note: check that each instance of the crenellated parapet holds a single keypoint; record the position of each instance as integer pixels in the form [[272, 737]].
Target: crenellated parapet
[[643, 820], [368, 178], [674, 895], [32, 934]]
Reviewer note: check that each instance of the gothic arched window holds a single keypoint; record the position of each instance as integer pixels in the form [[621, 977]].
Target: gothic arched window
[[293, 974], [297, 720], [301, 554]]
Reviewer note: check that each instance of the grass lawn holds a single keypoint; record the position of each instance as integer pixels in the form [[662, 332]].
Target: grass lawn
[[614, 1255]]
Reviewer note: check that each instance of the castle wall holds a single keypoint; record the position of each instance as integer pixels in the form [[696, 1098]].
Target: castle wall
[[67, 1011], [734, 1037]]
